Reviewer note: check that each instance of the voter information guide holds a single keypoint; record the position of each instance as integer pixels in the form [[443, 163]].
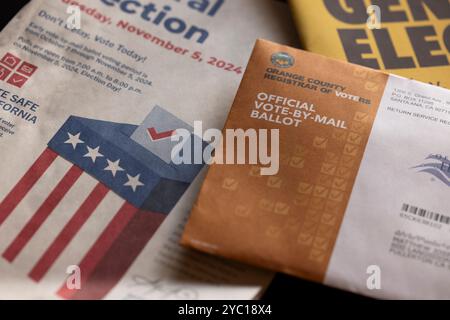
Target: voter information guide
[[359, 200], [91, 205]]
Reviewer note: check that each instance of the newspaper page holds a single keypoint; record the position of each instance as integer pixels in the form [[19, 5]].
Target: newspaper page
[[91, 206]]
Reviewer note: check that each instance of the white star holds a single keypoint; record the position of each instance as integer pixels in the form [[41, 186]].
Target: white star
[[134, 182], [74, 140], [93, 154], [113, 167]]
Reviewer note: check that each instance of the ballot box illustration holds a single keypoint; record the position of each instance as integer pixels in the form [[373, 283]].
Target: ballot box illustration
[[132, 161]]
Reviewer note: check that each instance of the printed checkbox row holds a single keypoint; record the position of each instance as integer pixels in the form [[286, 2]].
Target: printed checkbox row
[[279, 208], [340, 171], [318, 236], [331, 182], [296, 162]]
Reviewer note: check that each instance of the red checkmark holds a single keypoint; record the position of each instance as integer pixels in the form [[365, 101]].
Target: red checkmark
[[17, 80], [154, 135]]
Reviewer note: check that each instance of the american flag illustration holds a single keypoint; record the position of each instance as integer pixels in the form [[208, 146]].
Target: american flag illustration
[[121, 160]]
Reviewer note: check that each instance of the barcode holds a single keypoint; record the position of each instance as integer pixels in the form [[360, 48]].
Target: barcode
[[437, 217]]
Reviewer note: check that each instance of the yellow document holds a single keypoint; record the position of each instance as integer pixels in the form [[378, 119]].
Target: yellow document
[[408, 38]]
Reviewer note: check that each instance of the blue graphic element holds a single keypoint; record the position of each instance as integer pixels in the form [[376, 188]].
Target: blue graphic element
[[282, 60], [440, 168], [140, 177]]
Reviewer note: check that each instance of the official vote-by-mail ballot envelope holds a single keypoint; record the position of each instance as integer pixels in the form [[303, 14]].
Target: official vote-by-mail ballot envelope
[[359, 200]]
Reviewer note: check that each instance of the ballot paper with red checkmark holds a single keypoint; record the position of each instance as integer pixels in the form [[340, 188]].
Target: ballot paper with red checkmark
[[358, 201], [156, 132]]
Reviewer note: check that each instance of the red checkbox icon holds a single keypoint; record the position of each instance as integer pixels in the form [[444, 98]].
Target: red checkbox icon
[[4, 73], [10, 60], [17, 80], [27, 69]]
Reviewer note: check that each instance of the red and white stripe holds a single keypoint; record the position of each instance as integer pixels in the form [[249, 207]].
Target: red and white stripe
[[57, 216]]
